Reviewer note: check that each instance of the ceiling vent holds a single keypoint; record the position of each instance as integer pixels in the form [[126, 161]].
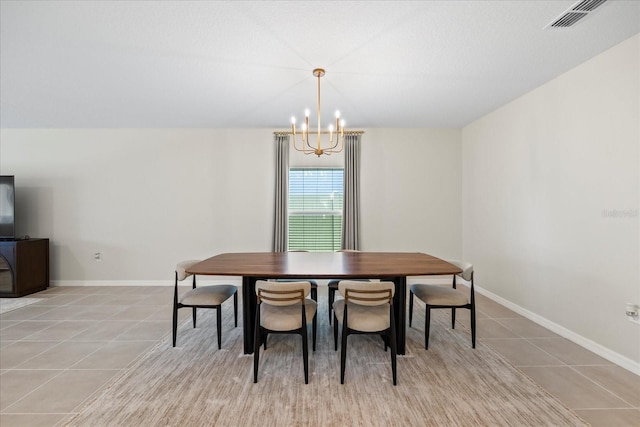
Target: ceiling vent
[[575, 13]]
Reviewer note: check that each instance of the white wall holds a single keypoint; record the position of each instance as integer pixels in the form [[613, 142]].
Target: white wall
[[143, 198], [411, 191], [146, 198], [538, 175]]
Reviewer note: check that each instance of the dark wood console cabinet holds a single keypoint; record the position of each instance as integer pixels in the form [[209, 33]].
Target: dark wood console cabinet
[[24, 267]]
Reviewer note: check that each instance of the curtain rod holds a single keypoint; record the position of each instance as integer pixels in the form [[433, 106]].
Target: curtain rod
[[315, 132]]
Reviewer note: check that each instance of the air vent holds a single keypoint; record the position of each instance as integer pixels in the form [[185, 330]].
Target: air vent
[[568, 19], [575, 13], [587, 5]]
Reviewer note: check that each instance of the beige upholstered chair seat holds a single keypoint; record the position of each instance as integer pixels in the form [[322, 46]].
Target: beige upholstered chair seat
[[280, 311], [208, 295], [439, 295], [286, 318], [367, 308], [364, 318]]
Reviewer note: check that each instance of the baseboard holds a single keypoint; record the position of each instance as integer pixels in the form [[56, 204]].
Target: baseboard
[[592, 346], [201, 280]]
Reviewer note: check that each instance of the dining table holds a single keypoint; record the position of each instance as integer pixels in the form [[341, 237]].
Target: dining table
[[392, 266]]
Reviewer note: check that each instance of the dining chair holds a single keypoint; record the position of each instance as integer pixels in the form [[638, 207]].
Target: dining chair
[[283, 308], [438, 296], [332, 286], [211, 296], [367, 308]]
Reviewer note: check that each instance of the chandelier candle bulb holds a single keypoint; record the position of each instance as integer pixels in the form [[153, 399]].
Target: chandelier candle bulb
[[306, 125]]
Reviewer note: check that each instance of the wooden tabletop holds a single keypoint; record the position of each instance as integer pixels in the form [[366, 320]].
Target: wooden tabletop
[[324, 265]]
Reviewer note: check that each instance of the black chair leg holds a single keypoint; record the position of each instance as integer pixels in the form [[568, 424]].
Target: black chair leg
[[394, 370], [256, 347], [427, 320], [314, 294], [343, 352], [194, 316], [313, 333], [410, 307], [175, 310], [335, 333], [453, 318], [473, 327], [332, 297], [305, 353], [175, 323], [235, 308], [219, 325]]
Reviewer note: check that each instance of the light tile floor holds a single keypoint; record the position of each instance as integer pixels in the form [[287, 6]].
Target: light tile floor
[[55, 355]]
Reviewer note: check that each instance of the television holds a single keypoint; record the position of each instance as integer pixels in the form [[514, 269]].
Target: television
[[7, 207]]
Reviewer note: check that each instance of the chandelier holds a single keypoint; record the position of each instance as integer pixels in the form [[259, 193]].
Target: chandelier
[[335, 133]]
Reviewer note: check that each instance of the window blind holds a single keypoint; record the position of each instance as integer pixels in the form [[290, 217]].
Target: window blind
[[315, 208]]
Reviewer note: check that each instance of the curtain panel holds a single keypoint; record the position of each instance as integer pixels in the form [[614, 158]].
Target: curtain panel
[[351, 206], [281, 213]]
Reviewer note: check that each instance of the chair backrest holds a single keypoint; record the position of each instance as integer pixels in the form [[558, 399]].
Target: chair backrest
[[367, 293], [183, 266], [282, 293], [466, 267]]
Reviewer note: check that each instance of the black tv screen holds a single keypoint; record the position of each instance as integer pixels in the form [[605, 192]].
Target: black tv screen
[[7, 207]]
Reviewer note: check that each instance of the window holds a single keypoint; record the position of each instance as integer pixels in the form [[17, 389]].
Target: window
[[315, 209]]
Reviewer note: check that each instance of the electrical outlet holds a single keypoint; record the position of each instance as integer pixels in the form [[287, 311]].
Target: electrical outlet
[[97, 256], [631, 310]]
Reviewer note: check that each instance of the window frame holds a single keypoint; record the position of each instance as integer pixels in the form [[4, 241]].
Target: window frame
[[335, 213]]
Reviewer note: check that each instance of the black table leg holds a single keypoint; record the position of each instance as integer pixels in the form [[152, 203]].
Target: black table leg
[[399, 308], [249, 301]]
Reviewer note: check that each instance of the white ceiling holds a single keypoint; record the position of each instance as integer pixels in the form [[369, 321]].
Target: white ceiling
[[115, 64]]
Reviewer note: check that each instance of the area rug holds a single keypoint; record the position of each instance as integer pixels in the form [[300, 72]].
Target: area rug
[[195, 384], [9, 304]]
